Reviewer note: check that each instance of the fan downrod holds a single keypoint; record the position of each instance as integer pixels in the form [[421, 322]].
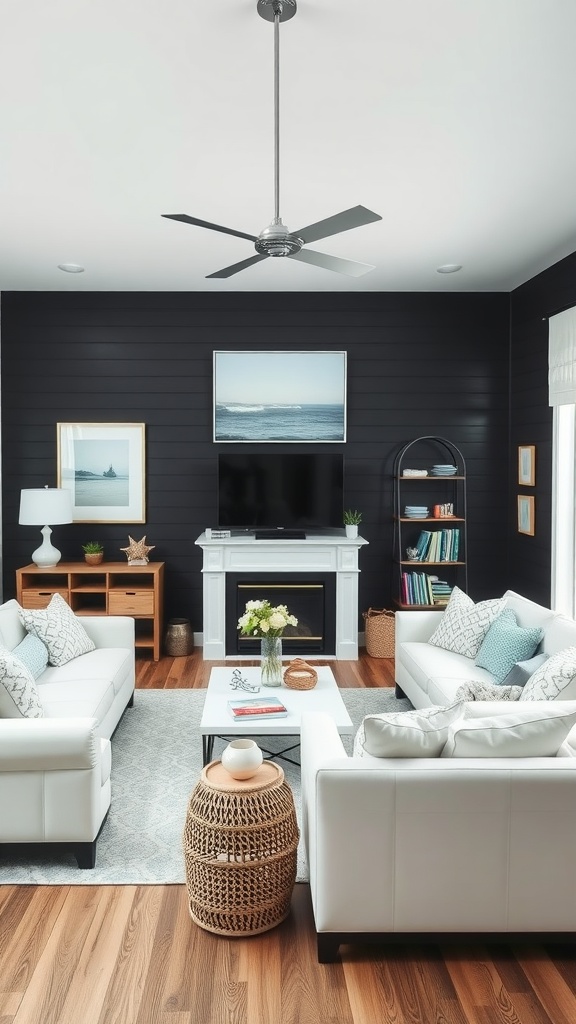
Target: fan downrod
[[269, 9]]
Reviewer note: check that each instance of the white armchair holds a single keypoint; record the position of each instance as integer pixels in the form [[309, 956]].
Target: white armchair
[[400, 846]]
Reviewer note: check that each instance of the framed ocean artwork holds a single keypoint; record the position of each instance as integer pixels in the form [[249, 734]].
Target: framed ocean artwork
[[280, 397], [102, 465]]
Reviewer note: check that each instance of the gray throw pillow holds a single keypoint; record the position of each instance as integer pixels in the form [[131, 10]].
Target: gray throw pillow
[[520, 673]]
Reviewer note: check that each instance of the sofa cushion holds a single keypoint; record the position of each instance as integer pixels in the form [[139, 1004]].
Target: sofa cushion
[[405, 733], [520, 673], [61, 630], [18, 691], [525, 732], [464, 624], [506, 643], [425, 663], [33, 653], [112, 663], [85, 698], [555, 679]]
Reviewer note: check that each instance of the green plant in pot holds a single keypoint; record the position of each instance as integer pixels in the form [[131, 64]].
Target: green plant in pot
[[93, 552], [352, 517]]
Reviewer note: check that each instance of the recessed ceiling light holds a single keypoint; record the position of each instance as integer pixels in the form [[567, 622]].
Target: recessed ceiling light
[[449, 268], [71, 268]]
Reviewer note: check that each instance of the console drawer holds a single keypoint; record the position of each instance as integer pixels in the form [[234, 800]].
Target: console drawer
[[131, 602], [40, 598]]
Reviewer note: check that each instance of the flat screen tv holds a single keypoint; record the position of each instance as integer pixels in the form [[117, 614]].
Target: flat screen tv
[[280, 492]]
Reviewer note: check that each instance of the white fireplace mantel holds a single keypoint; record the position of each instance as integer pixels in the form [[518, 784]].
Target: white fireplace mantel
[[322, 553]]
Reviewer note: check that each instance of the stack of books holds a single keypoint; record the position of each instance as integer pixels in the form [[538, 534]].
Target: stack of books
[[438, 546], [257, 707], [421, 588]]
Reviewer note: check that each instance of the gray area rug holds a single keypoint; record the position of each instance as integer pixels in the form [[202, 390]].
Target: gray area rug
[[156, 761]]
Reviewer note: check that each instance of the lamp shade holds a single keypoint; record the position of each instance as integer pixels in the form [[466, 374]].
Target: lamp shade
[[45, 506]]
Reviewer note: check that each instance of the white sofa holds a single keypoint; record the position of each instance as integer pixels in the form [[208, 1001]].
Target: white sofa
[[402, 845], [429, 675], [55, 770]]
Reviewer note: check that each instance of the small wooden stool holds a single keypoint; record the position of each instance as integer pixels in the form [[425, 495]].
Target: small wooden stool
[[240, 848]]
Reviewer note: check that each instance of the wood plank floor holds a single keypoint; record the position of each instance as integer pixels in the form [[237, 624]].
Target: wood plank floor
[[131, 954]]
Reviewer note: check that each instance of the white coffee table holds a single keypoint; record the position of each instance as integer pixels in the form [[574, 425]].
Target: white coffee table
[[217, 720]]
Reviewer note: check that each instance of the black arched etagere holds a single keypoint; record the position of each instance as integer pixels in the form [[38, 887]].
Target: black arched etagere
[[425, 575]]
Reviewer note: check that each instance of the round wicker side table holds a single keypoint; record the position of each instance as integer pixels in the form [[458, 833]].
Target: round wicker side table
[[240, 847]]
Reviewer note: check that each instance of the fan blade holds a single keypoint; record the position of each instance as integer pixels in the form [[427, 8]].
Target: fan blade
[[335, 263], [237, 267], [352, 218], [206, 224]]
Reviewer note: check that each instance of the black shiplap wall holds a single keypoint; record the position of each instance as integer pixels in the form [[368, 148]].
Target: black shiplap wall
[[417, 364], [531, 418]]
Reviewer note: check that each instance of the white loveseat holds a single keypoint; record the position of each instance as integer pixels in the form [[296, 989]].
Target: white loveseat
[[55, 769], [401, 845], [430, 675]]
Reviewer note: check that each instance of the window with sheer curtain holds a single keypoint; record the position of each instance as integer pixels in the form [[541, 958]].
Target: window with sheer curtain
[[562, 397]]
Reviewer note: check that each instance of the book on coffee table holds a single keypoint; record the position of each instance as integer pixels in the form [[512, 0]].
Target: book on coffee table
[[257, 707]]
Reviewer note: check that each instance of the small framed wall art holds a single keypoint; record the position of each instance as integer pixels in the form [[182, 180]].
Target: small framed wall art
[[102, 464], [527, 465], [526, 514]]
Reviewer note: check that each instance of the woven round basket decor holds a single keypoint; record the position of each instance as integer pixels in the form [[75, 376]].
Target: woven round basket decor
[[240, 848], [300, 675]]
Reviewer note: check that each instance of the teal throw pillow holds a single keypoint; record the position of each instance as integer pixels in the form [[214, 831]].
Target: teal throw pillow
[[506, 643], [33, 653]]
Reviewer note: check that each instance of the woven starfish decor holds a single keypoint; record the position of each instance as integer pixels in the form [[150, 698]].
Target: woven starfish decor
[[137, 551]]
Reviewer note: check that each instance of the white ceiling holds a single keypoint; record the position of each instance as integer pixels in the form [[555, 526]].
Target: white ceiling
[[453, 119]]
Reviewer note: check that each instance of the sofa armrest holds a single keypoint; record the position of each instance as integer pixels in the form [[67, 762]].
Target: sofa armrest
[[416, 626], [48, 744], [110, 630]]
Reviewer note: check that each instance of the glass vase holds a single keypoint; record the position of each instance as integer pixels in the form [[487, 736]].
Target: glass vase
[[271, 661]]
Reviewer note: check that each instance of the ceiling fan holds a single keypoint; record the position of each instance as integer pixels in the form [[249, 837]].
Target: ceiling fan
[[276, 239]]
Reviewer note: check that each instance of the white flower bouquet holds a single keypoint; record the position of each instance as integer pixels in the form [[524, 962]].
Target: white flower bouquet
[[261, 619]]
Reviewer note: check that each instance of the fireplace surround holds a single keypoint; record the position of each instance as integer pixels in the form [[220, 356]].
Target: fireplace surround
[[328, 558]]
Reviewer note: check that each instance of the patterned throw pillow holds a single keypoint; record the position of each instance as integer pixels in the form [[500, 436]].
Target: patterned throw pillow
[[506, 643], [33, 653], [556, 677], [61, 631], [406, 733], [18, 692], [464, 624]]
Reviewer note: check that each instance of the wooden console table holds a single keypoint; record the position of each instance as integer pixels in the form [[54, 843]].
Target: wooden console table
[[111, 588]]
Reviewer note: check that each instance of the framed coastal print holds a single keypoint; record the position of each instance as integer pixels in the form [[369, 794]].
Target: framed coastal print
[[280, 396], [527, 465], [526, 514], [102, 465]]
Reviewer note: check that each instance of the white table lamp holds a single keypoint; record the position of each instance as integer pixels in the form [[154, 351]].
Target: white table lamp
[[42, 505]]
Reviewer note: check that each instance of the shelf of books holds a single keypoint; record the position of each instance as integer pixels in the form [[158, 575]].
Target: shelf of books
[[429, 523]]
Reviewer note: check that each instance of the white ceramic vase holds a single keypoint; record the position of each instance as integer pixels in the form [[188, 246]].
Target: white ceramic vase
[[242, 758], [351, 529]]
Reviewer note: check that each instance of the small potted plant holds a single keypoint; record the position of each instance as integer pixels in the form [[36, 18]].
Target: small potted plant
[[93, 552], [351, 519]]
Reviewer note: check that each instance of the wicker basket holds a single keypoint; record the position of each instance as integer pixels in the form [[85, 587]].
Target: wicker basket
[[379, 632], [240, 846], [300, 675]]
